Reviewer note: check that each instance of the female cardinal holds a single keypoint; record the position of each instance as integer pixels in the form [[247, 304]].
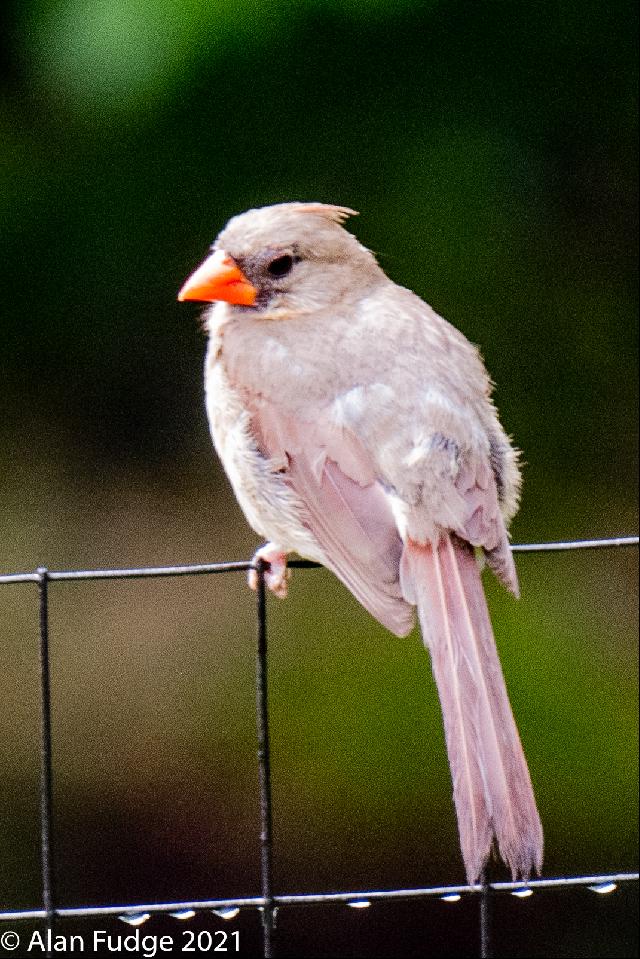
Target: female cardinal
[[357, 429]]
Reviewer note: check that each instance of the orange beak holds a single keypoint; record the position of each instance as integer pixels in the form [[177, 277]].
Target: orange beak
[[219, 278]]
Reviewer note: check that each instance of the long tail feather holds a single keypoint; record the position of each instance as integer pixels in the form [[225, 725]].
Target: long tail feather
[[491, 784]]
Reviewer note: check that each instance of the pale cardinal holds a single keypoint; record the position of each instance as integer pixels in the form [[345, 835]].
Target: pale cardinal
[[357, 429]]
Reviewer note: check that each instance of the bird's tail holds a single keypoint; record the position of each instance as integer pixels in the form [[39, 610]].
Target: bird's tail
[[491, 784]]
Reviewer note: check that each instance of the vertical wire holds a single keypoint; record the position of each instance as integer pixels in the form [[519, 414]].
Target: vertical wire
[[46, 769], [264, 768], [486, 949]]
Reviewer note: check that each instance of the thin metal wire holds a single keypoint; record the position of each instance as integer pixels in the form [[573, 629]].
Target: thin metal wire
[[143, 572], [574, 544], [264, 767], [198, 569], [485, 918], [268, 901], [46, 765], [324, 899]]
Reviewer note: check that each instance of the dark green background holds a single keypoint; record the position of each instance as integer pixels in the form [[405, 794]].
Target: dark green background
[[491, 150]]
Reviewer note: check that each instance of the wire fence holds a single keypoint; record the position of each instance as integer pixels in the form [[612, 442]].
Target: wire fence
[[268, 903]]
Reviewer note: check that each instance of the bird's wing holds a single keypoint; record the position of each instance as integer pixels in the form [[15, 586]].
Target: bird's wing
[[481, 522], [345, 508]]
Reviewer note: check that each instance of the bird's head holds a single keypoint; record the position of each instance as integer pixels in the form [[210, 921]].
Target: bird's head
[[281, 261]]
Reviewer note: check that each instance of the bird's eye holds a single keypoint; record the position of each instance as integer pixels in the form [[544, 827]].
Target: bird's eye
[[280, 266]]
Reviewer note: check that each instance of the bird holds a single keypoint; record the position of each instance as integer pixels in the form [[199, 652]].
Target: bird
[[357, 429]]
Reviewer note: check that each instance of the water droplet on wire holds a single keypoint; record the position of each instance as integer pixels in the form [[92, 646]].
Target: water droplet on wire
[[604, 887], [229, 913], [135, 919], [183, 914], [522, 893], [359, 904], [451, 897]]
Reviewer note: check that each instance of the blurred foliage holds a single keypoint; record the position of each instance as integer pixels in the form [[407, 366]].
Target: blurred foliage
[[491, 150]]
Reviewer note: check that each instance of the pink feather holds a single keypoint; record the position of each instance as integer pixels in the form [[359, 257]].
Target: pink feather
[[491, 784], [352, 521]]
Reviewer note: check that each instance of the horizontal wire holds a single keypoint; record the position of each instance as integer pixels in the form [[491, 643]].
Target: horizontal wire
[[317, 899], [197, 569], [574, 544], [200, 569]]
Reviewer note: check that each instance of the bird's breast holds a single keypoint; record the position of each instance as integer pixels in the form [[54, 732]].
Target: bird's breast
[[268, 503]]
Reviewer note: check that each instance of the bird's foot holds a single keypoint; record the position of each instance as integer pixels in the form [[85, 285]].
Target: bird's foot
[[276, 575]]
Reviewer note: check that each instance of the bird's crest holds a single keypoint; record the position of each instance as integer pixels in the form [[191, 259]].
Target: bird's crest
[[330, 212]]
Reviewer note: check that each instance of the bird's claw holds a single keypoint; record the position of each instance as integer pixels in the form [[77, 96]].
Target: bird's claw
[[276, 575]]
